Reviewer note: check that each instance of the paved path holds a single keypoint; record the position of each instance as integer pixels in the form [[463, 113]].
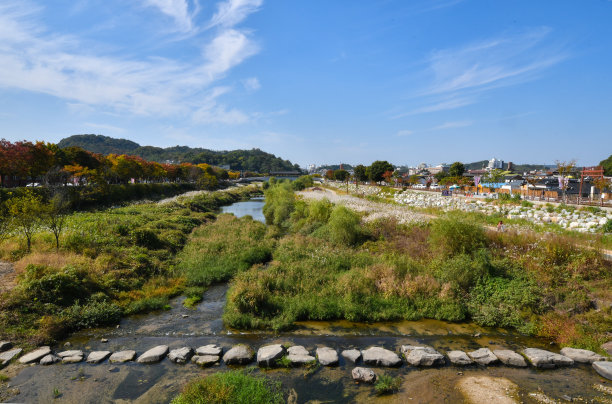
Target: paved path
[[7, 276]]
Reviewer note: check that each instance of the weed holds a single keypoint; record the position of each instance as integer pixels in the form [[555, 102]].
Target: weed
[[386, 384], [56, 393]]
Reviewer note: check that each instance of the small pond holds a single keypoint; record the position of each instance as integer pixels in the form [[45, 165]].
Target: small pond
[[252, 207]]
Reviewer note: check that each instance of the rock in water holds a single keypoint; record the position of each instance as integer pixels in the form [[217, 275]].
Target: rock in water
[[210, 349], [604, 369], [6, 357], [5, 346], [510, 358], [35, 355], [122, 356], [422, 355], [239, 355], [49, 359], [459, 358], [483, 356], [153, 355], [363, 375], [380, 357], [73, 356], [581, 355], [352, 355], [180, 355], [298, 355], [205, 360], [327, 356], [546, 360], [268, 355], [97, 356]]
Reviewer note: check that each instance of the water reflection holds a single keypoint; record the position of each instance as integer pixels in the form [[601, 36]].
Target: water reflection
[[253, 208]]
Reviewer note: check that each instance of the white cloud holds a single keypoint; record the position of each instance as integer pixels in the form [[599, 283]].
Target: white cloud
[[232, 12], [404, 133], [251, 84], [32, 59], [452, 125], [178, 10]]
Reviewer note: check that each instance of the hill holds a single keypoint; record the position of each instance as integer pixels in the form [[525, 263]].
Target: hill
[[518, 168], [248, 160]]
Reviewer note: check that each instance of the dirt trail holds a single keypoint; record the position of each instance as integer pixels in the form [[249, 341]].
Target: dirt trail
[[7, 276]]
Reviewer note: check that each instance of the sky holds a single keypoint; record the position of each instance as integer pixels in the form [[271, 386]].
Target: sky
[[316, 81]]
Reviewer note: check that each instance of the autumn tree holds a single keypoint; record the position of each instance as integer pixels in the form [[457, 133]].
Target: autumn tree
[[341, 175], [413, 180], [329, 174], [601, 184], [26, 212], [378, 169], [565, 168]]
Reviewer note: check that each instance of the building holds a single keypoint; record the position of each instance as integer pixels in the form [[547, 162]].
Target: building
[[438, 169], [495, 164]]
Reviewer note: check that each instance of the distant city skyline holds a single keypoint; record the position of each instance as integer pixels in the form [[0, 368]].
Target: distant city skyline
[[316, 82]]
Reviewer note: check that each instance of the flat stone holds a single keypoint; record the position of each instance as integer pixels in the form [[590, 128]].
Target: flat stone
[[510, 358], [352, 355], [298, 356], [363, 375], [122, 356], [268, 355], [5, 346], [422, 355], [239, 355], [604, 369], [153, 355], [607, 347], [66, 354], [205, 360], [483, 356], [327, 356], [97, 356], [49, 359], [7, 356], [459, 358], [72, 359], [210, 349], [297, 350], [545, 359], [180, 355], [380, 357], [35, 355], [582, 355]]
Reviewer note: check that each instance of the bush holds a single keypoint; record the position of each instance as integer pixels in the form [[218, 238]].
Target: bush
[[147, 304], [61, 287], [386, 384], [280, 203], [607, 228], [452, 235], [92, 314], [344, 226], [232, 387]]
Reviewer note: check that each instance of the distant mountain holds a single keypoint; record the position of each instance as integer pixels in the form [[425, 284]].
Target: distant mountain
[[248, 160], [517, 168]]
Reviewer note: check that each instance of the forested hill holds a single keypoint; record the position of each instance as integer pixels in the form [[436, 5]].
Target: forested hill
[[250, 160], [519, 168]]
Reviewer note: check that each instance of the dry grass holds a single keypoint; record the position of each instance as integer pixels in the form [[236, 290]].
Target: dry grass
[[52, 260]]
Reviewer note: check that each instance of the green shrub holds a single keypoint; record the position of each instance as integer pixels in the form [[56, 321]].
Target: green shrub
[[61, 287], [526, 204], [280, 203], [232, 387], [302, 182], [92, 314], [147, 304], [343, 226], [607, 228], [386, 384], [453, 234]]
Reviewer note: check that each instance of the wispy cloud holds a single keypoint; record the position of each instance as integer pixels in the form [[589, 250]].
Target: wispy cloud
[[461, 76], [178, 10], [404, 132], [251, 84], [35, 60], [452, 125], [233, 12]]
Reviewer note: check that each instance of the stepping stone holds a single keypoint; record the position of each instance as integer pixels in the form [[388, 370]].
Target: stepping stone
[[604, 369], [351, 355], [459, 358], [6, 357], [582, 355], [122, 356], [5, 346], [239, 355], [35, 355], [364, 375], [380, 357], [153, 355], [180, 355], [607, 347], [483, 356], [545, 359], [268, 355], [298, 355], [327, 356], [510, 358], [73, 356], [205, 360], [422, 355], [210, 349], [49, 360], [97, 356]]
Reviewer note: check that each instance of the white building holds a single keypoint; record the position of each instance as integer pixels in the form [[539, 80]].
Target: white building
[[495, 163]]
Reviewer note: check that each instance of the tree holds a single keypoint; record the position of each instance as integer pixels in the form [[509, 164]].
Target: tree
[[601, 184], [440, 175], [607, 165], [341, 175], [378, 169], [360, 173], [5, 222], [564, 168], [496, 175], [456, 169], [329, 174], [55, 214], [413, 180], [26, 212]]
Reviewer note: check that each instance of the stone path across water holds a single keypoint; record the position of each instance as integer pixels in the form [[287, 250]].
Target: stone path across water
[[277, 355]]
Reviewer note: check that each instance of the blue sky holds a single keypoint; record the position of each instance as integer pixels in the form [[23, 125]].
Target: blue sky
[[316, 81]]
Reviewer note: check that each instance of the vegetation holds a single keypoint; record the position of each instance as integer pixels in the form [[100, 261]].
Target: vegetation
[[386, 384], [607, 166], [109, 263], [232, 387], [378, 169], [253, 160]]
